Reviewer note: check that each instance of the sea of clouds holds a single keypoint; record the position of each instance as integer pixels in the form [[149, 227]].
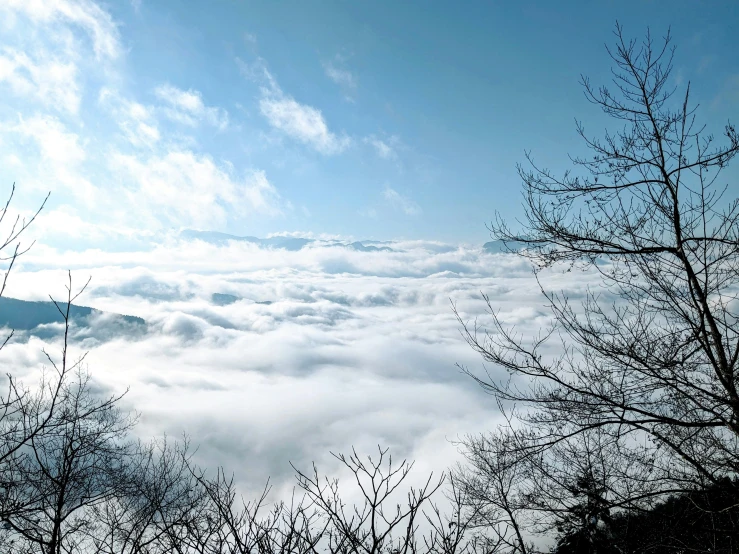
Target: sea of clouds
[[321, 349]]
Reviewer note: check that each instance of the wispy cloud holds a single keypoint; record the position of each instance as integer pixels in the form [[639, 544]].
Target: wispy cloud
[[385, 148], [48, 79], [58, 153], [300, 122], [400, 202], [51, 42], [187, 107], [342, 77], [189, 189], [339, 74], [151, 174], [54, 141], [137, 121], [97, 23]]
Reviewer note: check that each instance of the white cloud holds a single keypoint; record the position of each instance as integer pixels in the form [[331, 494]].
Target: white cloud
[[52, 46], [347, 348], [66, 223], [187, 107], [96, 22], [300, 122], [386, 149], [54, 141], [58, 55], [336, 71], [50, 80], [400, 202], [137, 121], [188, 189], [342, 77], [58, 157]]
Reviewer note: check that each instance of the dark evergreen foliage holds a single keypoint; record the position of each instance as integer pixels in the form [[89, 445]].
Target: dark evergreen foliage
[[704, 520]]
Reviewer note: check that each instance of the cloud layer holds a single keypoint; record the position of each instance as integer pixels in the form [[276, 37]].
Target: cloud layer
[[318, 349]]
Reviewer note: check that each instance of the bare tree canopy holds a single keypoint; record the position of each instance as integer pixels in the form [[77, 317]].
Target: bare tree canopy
[[632, 391]]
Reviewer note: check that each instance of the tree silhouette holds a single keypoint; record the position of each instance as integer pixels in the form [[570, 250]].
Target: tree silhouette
[[640, 378]]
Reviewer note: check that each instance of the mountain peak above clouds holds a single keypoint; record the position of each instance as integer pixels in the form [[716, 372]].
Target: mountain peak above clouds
[[282, 242]]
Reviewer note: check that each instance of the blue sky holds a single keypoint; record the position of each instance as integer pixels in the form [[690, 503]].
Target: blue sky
[[364, 119]]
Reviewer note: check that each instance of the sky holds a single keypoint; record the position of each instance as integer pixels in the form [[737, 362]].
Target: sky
[[367, 119], [400, 122]]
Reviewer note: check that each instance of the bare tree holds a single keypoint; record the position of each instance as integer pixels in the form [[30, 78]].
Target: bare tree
[[158, 505], [12, 234], [25, 413], [379, 524], [230, 524], [640, 379], [388, 519], [464, 526], [494, 482], [76, 463]]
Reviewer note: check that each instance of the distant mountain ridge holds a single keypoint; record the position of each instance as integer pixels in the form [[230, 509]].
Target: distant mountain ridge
[[222, 299], [280, 242], [294, 244], [499, 246], [26, 315]]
